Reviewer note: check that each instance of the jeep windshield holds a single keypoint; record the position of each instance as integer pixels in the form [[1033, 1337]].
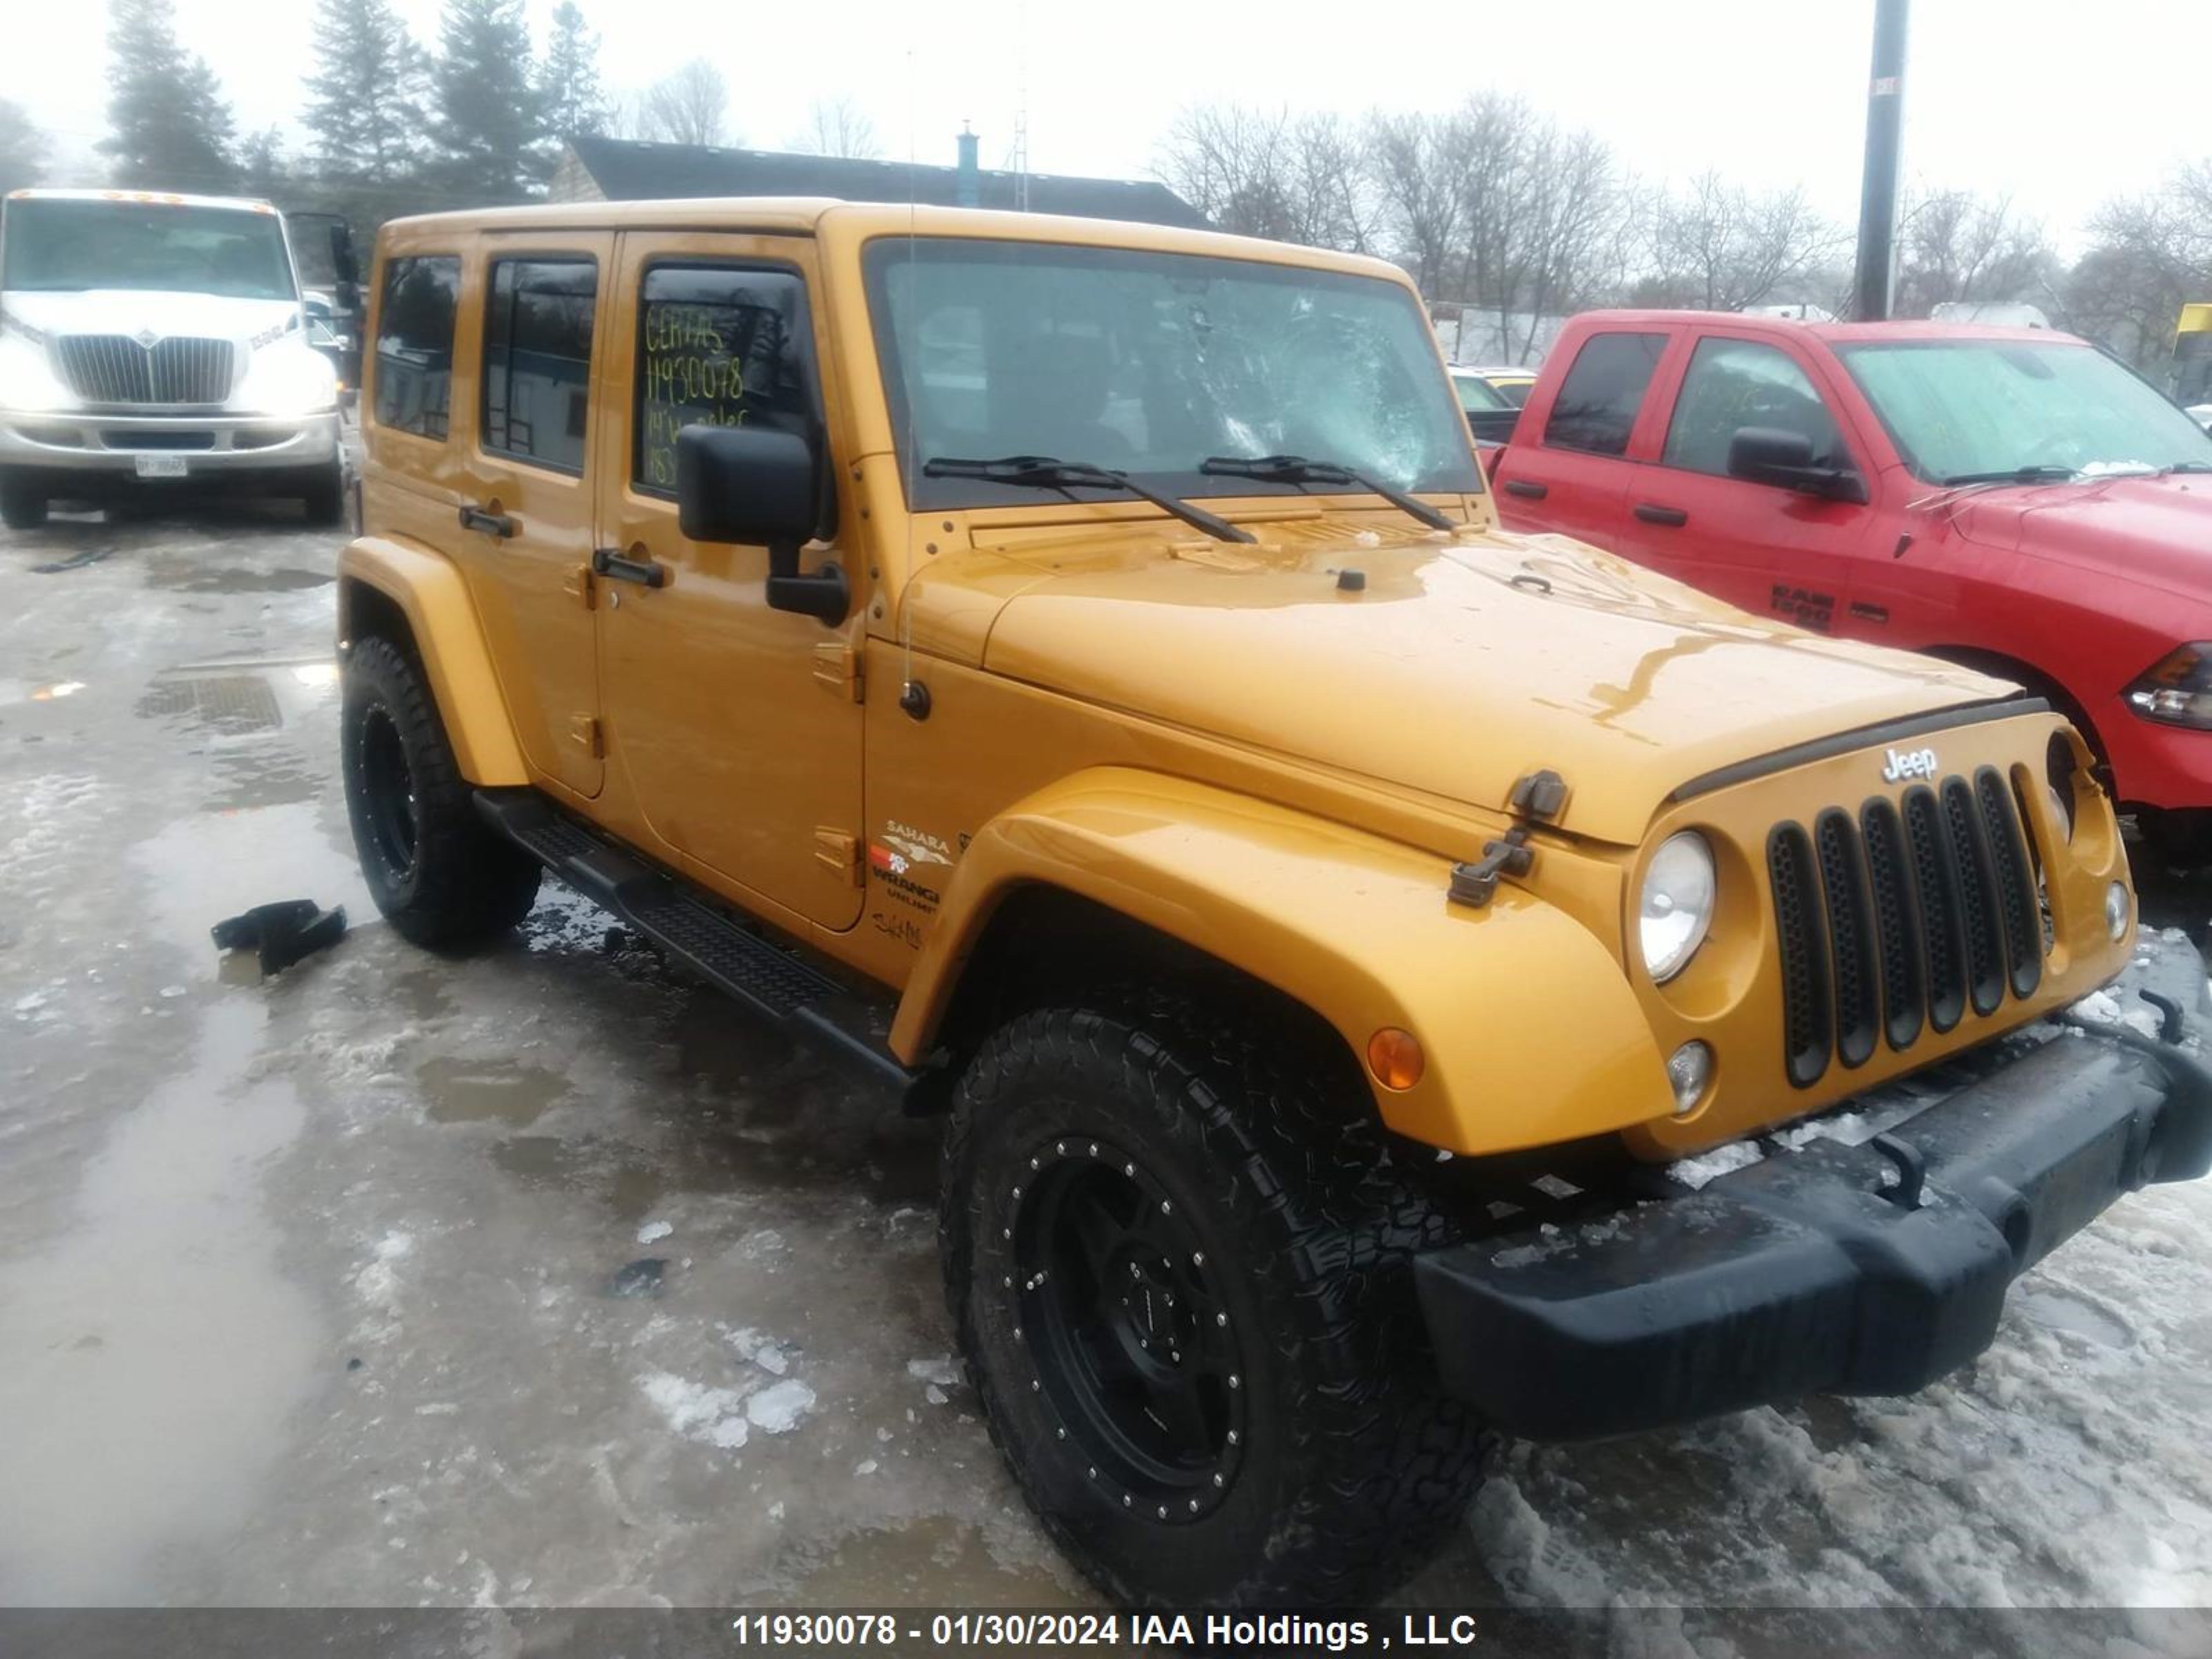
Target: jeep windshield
[[58, 246], [1149, 363], [1990, 411]]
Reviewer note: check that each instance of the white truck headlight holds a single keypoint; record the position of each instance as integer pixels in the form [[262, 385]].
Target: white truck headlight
[[1677, 904], [288, 379], [27, 382]]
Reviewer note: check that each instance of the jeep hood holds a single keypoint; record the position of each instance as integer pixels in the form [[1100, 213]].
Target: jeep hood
[[1455, 669], [2155, 532]]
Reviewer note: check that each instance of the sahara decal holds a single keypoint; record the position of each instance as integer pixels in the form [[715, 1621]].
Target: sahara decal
[[915, 845]]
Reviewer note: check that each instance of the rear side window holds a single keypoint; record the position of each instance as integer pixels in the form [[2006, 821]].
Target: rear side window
[[415, 344], [717, 346], [1596, 407], [1733, 384], [538, 359]]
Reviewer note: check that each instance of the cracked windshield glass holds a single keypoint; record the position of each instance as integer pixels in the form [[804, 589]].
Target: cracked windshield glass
[[1147, 363]]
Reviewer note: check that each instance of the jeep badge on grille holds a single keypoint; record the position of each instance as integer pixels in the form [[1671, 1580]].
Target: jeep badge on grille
[[1909, 763]]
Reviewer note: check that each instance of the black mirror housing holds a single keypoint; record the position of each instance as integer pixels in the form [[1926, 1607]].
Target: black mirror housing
[[345, 270], [752, 487], [1770, 455]]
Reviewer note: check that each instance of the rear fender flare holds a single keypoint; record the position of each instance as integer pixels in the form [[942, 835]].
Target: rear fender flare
[[432, 596]]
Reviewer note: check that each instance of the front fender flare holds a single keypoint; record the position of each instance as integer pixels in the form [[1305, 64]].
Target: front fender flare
[[1531, 1033], [434, 597]]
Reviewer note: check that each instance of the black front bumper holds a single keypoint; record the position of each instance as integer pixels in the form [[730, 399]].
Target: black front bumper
[[1806, 1272]]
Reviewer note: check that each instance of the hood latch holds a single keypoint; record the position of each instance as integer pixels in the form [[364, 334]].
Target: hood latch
[[1536, 798]]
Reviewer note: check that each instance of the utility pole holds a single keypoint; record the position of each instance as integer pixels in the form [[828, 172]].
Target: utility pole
[[1877, 266]]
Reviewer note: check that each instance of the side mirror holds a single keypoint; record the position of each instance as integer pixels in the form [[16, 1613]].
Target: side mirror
[[1769, 455], [345, 269], [750, 487]]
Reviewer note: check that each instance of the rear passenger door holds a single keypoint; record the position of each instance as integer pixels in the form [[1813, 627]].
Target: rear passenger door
[[1774, 551], [526, 532], [1569, 468]]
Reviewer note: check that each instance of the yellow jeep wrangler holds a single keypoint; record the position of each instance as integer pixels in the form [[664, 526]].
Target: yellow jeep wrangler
[[1070, 671]]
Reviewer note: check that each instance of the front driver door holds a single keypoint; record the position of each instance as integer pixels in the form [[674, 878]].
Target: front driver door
[[1776, 552], [738, 739]]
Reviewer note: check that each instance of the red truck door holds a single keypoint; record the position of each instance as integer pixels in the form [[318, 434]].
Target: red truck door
[[1567, 469], [1773, 550]]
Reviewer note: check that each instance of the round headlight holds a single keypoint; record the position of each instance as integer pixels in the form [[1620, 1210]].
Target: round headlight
[[2116, 909], [1677, 905]]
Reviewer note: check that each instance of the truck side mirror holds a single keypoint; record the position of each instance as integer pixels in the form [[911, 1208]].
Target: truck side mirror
[[750, 487], [345, 269], [1770, 455]]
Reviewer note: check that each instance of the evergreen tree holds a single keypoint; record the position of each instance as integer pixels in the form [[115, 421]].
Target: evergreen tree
[[263, 168], [365, 103], [486, 117], [171, 127], [22, 148], [568, 88]]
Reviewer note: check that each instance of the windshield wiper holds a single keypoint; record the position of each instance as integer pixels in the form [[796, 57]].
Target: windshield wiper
[[1297, 470], [1045, 472], [2014, 474]]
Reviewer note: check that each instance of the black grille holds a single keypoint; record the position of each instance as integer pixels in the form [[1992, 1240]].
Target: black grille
[[114, 368], [1899, 920]]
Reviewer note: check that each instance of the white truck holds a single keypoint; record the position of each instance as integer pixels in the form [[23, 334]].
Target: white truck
[[149, 339]]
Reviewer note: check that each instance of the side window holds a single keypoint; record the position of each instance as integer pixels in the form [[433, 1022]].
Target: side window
[[1597, 403], [717, 346], [1733, 384], [538, 359], [415, 344]]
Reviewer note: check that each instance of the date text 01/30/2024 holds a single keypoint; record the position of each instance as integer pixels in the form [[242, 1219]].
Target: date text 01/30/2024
[[1020, 1630]]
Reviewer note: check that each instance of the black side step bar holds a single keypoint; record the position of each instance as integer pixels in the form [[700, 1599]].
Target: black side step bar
[[770, 980]]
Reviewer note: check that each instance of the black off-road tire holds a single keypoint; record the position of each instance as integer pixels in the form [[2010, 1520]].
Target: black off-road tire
[[323, 500], [1348, 1466], [441, 875], [22, 504]]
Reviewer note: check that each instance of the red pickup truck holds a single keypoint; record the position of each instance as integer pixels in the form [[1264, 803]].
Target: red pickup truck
[[2010, 499]]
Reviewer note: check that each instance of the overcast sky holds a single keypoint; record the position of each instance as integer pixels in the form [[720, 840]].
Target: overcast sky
[[2059, 103]]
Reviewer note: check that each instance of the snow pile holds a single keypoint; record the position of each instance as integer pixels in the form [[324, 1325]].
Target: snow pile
[[1695, 1172], [725, 1416], [778, 1408], [758, 1349], [2103, 1008], [378, 1282], [715, 1417]]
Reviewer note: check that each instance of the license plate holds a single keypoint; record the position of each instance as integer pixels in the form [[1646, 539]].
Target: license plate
[[161, 466]]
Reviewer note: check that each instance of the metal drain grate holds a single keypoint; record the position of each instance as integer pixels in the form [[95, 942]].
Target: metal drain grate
[[232, 704]]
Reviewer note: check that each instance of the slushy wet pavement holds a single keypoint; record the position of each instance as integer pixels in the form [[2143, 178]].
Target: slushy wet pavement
[[338, 1288]]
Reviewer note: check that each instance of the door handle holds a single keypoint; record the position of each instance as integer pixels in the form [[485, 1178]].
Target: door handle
[[1528, 487], [1651, 513], [618, 566], [492, 524]]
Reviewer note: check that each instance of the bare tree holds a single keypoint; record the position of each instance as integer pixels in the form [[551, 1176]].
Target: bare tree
[[838, 126], [1262, 172], [2150, 255], [1956, 246], [1719, 247], [690, 106], [1414, 173]]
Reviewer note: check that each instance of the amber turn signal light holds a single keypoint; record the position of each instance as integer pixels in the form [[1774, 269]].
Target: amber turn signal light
[[1396, 1057]]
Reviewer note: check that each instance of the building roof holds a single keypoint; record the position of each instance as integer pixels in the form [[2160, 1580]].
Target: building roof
[[629, 170]]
